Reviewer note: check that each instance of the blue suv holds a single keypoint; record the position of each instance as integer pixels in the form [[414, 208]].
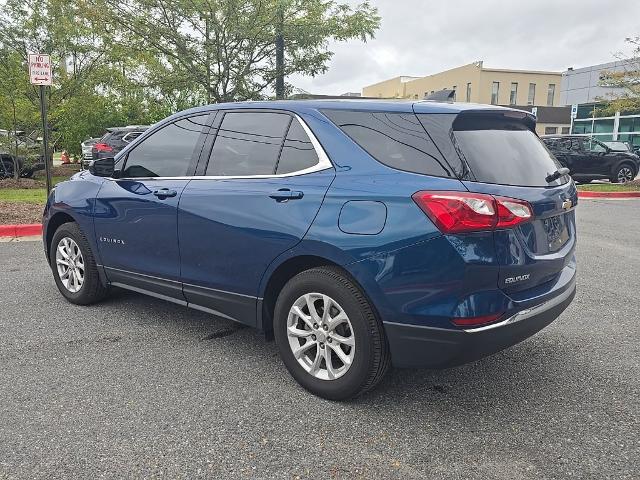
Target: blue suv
[[359, 234]]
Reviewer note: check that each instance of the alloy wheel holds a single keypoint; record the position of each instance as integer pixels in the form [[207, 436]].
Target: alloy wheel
[[625, 174], [321, 336], [70, 264]]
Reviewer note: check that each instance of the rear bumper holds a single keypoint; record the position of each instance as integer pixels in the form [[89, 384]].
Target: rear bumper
[[414, 346]]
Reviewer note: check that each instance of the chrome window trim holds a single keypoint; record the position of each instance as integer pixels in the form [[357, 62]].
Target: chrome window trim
[[323, 164]]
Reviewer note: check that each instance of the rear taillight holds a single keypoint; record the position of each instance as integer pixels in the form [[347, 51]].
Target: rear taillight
[[103, 147], [459, 212]]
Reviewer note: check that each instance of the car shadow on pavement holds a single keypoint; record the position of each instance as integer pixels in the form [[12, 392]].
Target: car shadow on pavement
[[522, 371]]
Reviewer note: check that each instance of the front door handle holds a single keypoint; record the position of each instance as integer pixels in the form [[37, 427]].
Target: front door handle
[[162, 193], [284, 194]]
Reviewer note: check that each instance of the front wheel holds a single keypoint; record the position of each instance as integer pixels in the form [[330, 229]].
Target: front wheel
[[329, 336], [74, 266], [623, 174]]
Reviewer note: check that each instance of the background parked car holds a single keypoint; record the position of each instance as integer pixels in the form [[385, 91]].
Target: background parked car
[[87, 148], [113, 141], [588, 159], [7, 166]]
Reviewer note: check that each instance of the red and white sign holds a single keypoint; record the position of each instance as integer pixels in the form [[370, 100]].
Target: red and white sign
[[40, 69]]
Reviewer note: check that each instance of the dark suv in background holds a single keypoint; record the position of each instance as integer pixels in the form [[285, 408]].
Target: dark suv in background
[[113, 141], [588, 159]]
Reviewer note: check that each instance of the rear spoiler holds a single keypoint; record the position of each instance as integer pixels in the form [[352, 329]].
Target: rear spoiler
[[494, 119]]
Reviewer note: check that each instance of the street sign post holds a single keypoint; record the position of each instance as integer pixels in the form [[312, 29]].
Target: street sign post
[[40, 74]]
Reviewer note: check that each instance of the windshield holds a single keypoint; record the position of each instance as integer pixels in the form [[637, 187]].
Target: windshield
[[507, 154]]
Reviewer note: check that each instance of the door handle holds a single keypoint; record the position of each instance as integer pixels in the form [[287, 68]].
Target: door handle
[[162, 193], [284, 194]]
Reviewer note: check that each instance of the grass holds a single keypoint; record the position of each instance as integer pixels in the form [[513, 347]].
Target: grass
[[28, 195], [24, 195], [609, 187]]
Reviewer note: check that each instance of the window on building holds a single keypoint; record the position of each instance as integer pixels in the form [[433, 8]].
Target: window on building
[[248, 144], [513, 96], [454, 92], [468, 92], [565, 130], [531, 98], [495, 90], [167, 152], [550, 130], [426, 94], [551, 92]]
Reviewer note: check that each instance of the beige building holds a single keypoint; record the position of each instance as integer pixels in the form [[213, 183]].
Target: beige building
[[476, 84]]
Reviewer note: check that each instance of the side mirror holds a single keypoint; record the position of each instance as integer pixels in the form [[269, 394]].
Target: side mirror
[[103, 167]]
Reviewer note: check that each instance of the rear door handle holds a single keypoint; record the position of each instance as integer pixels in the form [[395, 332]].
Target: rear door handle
[[284, 194], [164, 193]]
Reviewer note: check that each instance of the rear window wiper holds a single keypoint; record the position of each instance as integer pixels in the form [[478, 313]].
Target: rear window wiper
[[557, 174]]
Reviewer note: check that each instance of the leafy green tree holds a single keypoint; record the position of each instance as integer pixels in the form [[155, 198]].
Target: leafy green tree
[[628, 79], [224, 50]]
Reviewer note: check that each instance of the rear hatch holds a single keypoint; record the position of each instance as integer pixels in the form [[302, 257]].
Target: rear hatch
[[502, 156]]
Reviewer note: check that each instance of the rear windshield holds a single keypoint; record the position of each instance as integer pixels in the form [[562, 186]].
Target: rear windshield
[[498, 150]]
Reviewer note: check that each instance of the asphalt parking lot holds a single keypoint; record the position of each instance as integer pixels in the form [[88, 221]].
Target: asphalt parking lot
[[138, 387]]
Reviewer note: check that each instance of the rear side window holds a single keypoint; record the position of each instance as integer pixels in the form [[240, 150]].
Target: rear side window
[[297, 152], [397, 140], [167, 152], [248, 144], [503, 151]]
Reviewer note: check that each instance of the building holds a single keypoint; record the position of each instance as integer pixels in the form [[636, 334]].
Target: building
[[617, 127], [476, 84], [582, 85]]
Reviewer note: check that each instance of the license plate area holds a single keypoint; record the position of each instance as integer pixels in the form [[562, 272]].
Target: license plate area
[[557, 231]]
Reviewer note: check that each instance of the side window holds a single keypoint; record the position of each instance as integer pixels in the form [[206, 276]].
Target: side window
[[397, 140], [577, 145], [248, 144], [298, 152], [167, 152]]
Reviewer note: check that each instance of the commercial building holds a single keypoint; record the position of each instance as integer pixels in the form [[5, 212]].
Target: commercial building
[[476, 84], [617, 127], [582, 85]]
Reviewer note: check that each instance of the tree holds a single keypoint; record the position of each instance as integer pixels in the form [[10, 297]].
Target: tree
[[628, 80], [225, 50]]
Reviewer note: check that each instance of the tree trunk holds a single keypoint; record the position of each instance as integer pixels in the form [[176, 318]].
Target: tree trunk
[[280, 54], [16, 163]]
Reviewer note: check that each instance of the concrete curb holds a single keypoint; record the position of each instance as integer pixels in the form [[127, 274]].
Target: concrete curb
[[587, 194], [14, 231]]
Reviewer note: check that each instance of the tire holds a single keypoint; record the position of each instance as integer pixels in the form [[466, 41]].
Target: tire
[[369, 359], [91, 289], [623, 173]]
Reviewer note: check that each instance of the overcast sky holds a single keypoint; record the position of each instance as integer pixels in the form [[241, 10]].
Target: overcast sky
[[420, 37]]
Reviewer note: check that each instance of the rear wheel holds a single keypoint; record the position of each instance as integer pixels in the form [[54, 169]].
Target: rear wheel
[[328, 335], [74, 266], [623, 174]]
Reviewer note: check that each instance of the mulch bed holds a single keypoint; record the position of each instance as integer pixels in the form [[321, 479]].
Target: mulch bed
[[26, 183], [17, 213]]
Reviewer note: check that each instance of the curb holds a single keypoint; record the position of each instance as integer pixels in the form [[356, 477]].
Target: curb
[[14, 231], [587, 194]]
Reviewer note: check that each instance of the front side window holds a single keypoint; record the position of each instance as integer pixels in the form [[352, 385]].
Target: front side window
[[167, 152], [513, 96], [248, 143], [495, 90], [397, 140], [531, 98]]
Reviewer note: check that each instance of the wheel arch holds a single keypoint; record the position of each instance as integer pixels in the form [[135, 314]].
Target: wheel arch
[[56, 221]]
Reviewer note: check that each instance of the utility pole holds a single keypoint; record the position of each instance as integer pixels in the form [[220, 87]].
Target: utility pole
[[280, 53], [45, 136]]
